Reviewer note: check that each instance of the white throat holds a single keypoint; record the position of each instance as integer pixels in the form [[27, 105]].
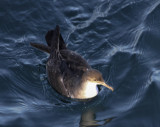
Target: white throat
[[91, 89]]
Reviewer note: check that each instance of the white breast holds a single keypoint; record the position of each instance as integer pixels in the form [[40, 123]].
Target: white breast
[[91, 90]]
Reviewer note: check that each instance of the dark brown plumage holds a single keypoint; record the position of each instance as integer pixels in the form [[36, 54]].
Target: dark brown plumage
[[68, 73]]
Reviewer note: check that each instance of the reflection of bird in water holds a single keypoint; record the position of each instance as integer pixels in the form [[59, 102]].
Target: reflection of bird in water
[[68, 73], [88, 119]]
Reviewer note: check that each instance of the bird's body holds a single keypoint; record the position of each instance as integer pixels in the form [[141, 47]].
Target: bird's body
[[68, 73]]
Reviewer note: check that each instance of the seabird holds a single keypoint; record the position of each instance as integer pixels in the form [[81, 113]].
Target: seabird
[[68, 73]]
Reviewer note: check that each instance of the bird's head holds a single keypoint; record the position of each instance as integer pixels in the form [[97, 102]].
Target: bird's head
[[94, 77]]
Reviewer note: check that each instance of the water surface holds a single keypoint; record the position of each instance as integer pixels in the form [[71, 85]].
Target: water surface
[[119, 38]]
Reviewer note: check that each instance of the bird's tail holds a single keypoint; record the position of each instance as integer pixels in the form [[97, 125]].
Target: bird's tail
[[41, 47], [54, 41]]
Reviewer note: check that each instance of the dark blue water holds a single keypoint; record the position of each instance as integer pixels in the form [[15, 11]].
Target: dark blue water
[[120, 38]]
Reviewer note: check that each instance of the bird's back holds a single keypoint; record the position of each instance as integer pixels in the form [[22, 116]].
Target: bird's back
[[64, 67]]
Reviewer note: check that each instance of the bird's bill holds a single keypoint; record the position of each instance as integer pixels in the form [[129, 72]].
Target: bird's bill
[[104, 84], [109, 87]]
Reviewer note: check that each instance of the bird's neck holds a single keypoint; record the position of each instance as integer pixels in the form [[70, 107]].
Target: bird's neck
[[88, 90], [91, 89]]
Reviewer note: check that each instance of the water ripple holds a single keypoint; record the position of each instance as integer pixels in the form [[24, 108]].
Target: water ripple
[[119, 38]]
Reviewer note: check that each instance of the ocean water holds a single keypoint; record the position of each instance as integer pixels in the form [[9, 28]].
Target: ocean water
[[120, 38]]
